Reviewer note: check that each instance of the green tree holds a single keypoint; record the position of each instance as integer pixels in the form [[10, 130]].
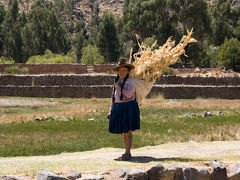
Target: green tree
[[22, 19], [193, 14], [108, 39], [149, 18], [57, 35], [44, 31], [2, 14], [94, 23], [236, 21], [28, 42], [79, 46], [229, 54], [12, 39], [91, 56], [220, 13]]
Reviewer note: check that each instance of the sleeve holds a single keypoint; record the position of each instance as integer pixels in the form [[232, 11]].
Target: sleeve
[[112, 101]]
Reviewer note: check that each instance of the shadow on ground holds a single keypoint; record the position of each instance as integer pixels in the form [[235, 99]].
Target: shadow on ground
[[147, 159]]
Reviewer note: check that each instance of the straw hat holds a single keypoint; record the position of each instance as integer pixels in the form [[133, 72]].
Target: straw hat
[[123, 63]]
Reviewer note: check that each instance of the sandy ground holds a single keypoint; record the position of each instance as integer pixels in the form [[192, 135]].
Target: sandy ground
[[7, 102], [102, 160]]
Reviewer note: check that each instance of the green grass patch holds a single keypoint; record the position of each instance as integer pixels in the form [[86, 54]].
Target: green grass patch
[[80, 134]]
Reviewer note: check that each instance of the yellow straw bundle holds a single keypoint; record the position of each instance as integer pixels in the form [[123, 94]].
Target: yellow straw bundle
[[150, 64]]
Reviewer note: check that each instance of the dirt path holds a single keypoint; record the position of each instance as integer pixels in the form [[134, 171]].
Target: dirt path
[[190, 153]]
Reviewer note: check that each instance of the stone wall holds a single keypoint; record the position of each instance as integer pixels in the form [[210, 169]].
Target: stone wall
[[101, 86], [195, 91], [212, 170], [217, 81], [85, 79], [49, 68], [106, 68]]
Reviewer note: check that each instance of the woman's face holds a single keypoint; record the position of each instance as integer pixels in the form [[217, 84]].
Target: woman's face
[[122, 72]]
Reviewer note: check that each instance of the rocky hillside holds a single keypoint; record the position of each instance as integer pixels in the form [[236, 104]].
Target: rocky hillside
[[81, 10]]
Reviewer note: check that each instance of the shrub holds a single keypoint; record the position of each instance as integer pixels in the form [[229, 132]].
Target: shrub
[[212, 53], [4, 60], [91, 56], [12, 69], [150, 41], [229, 54], [210, 56], [24, 70], [169, 71], [50, 58]]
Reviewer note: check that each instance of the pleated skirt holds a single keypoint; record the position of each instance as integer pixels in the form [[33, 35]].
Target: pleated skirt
[[124, 117]]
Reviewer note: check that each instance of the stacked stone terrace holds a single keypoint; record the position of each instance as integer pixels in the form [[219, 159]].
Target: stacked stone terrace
[[100, 86]]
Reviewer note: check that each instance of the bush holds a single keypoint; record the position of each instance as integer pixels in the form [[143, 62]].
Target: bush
[[229, 54], [4, 60], [12, 69], [209, 56], [91, 56], [16, 70], [50, 58], [150, 41], [24, 70], [169, 71]]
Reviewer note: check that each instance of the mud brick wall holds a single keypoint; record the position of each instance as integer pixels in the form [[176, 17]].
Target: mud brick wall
[[104, 91], [101, 86], [88, 79], [49, 68], [55, 80], [107, 68], [57, 91], [195, 91], [217, 81]]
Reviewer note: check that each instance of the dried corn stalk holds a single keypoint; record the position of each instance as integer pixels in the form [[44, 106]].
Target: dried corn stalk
[[150, 64]]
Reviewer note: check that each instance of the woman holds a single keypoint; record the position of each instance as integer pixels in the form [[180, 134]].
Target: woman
[[124, 116]]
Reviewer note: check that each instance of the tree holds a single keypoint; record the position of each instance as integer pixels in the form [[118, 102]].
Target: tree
[[108, 40], [149, 18], [45, 31], [229, 54], [193, 14], [79, 46], [12, 39], [91, 56], [94, 23], [2, 14], [236, 21], [220, 13], [57, 35]]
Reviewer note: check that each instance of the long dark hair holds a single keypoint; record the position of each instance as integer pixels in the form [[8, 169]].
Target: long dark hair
[[116, 79]]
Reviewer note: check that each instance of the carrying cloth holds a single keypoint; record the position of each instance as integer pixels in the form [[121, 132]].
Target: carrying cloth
[[142, 88]]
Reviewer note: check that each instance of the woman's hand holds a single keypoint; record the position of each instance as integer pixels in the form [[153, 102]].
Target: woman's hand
[[108, 116]]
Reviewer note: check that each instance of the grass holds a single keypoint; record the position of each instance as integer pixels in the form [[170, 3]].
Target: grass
[[20, 135]]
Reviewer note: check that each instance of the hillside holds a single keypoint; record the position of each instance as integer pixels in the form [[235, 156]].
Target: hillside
[[81, 10]]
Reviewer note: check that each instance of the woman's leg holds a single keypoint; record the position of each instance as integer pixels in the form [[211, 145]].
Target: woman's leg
[[128, 142]]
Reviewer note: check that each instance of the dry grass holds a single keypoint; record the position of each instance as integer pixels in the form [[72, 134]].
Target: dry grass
[[160, 102], [80, 107], [7, 102], [62, 107]]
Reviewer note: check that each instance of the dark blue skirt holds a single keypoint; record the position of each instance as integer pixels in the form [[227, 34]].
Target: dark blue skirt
[[124, 117]]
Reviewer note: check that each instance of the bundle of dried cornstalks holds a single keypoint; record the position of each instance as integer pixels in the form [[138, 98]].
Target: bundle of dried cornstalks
[[150, 64]]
